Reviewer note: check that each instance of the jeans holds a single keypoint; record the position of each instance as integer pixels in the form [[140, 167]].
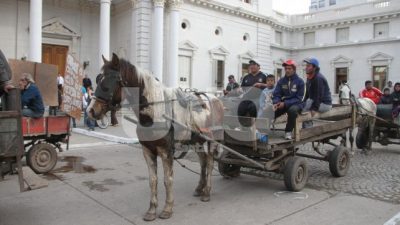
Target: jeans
[[322, 108], [293, 111], [89, 122], [30, 113]]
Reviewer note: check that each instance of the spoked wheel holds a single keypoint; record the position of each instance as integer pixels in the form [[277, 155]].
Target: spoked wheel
[[339, 161], [295, 173], [104, 122], [228, 170], [42, 157]]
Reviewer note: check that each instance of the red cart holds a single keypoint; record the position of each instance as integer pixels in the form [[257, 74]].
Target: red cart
[[43, 136]]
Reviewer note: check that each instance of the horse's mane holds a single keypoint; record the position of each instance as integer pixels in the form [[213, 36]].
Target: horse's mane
[[153, 90]]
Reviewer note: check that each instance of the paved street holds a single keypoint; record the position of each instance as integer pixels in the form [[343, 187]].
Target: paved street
[[100, 182]]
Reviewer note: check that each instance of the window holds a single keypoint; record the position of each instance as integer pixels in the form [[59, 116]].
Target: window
[[342, 35], [278, 37], [245, 71], [332, 2], [247, 1], [278, 74], [381, 30], [379, 76], [246, 37], [218, 31], [341, 75], [219, 73], [309, 38], [321, 3], [185, 63]]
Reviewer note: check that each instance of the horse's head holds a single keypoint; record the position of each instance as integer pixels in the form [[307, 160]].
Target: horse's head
[[108, 91]]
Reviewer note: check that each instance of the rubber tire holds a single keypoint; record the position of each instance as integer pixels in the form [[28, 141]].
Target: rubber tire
[[45, 152], [295, 173], [339, 161], [228, 170], [362, 137], [104, 125]]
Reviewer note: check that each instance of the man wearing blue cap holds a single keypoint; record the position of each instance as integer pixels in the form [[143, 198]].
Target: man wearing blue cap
[[318, 95]]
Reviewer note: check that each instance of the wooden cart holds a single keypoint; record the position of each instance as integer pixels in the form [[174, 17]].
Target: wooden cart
[[242, 147]]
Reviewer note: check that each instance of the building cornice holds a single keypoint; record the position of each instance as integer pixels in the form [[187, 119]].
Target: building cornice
[[348, 21], [238, 11], [336, 45]]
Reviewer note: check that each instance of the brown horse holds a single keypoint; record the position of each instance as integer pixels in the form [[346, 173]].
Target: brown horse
[[153, 103]]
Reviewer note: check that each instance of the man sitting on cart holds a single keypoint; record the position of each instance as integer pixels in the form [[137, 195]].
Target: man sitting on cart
[[31, 99], [318, 95], [5, 75], [288, 96]]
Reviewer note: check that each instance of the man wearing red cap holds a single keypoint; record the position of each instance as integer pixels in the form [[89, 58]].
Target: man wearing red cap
[[288, 96]]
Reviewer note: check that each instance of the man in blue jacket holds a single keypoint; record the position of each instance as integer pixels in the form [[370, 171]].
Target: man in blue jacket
[[31, 99], [318, 95], [288, 96]]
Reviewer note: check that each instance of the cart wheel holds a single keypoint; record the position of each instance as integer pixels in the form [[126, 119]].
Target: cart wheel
[[362, 137], [295, 174], [228, 170], [104, 122], [339, 161], [42, 157]]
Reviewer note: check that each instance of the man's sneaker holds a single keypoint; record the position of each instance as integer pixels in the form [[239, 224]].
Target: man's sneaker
[[288, 136]]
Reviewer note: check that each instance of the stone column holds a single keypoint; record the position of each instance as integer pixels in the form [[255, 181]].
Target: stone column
[[35, 31], [157, 47], [172, 80], [104, 34], [132, 53]]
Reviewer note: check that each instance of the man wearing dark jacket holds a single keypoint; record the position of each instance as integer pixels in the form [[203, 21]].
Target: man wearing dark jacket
[[395, 97], [318, 95], [288, 96], [252, 86], [31, 99], [5, 75]]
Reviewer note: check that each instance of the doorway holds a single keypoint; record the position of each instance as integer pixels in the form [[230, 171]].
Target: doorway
[[55, 55]]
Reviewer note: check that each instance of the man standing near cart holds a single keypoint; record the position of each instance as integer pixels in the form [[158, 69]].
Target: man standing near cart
[[5, 75], [288, 96]]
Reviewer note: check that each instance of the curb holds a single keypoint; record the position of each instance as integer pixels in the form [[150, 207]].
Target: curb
[[106, 137]]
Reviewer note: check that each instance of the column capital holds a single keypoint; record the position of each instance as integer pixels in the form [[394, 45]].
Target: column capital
[[159, 3], [134, 3], [175, 4], [105, 1]]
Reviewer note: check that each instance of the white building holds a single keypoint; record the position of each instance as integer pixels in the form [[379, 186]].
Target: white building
[[198, 43]]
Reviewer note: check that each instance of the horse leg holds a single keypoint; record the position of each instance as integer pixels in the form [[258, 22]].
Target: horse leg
[[202, 182], [210, 166], [167, 161], [151, 161], [351, 139]]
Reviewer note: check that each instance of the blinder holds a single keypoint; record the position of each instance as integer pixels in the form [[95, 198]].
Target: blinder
[[107, 85]]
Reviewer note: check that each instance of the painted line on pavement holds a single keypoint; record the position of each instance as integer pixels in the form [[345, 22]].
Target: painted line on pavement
[[394, 220], [106, 137], [89, 145]]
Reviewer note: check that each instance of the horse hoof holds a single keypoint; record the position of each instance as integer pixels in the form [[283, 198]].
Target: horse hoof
[[165, 215], [149, 217], [205, 198], [197, 193]]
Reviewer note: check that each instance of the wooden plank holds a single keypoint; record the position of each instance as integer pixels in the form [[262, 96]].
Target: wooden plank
[[32, 179], [46, 81], [336, 113], [326, 128]]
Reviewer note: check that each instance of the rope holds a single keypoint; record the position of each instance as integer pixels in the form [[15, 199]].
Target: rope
[[191, 170]]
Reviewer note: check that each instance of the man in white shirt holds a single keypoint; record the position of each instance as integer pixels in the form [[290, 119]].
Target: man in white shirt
[[344, 93]]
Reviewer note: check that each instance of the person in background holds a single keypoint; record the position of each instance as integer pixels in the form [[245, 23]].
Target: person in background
[[386, 98], [266, 106], [231, 87], [83, 90], [371, 92], [60, 86], [31, 99], [344, 93], [395, 97], [252, 85], [288, 96], [390, 86], [87, 82], [85, 103], [5, 75]]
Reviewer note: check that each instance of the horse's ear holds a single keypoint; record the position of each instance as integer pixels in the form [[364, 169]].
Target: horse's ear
[[104, 59], [115, 60]]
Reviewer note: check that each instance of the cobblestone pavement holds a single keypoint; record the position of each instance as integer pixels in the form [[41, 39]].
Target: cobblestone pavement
[[376, 175]]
